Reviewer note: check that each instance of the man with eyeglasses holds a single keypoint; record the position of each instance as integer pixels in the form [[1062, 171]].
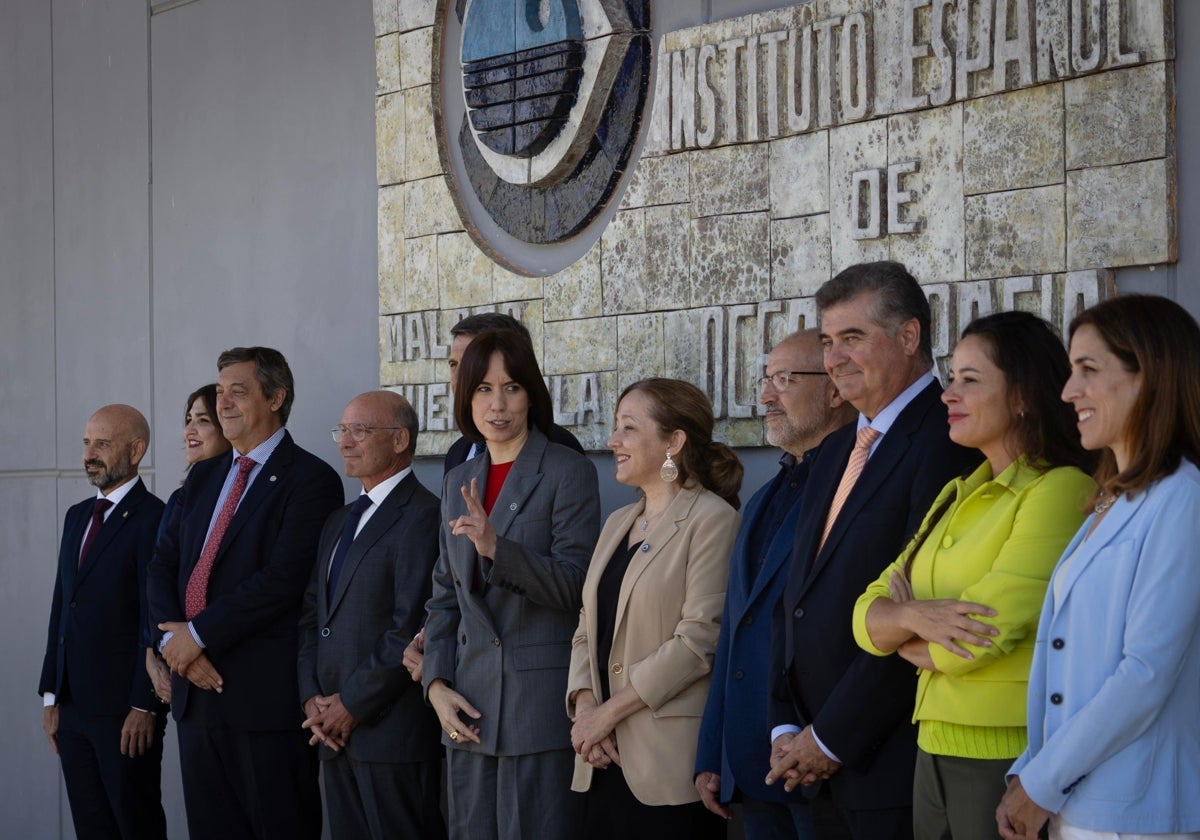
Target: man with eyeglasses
[[225, 588], [378, 741], [800, 407]]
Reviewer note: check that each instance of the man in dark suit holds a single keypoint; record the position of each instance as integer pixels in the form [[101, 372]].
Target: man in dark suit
[[379, 742], [100, 712], [225, 587], [841, 714], [801, 406]]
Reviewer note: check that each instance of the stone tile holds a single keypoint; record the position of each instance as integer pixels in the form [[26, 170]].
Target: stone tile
[[390, 248], [934, 140], [1152, 30], [428, 208], [1019, 232], [414, 14], [433, 444], [386, 16], [853, 148], [387, 64], [576, 291], [640, 347], [579, 402], [709, 33], [421, 273], [1121, 215], [799, 175], [580, 346], [659, 180], [694, 340], [421, 158], [739, 433], [508, 285], [595, 430], [1013, 141], [389, 138], [799, 256], [731, 179], [416, 57], [744, 350], [646, 260], [658, 131], [464, 272], [730, 257], [1119, 117]]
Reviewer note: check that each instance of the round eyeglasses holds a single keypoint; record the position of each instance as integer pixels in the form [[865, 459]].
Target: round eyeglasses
[[781, 379], [357, 431]]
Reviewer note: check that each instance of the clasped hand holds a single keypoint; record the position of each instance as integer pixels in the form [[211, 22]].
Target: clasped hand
[[592, 735], [188, 659], [474, 524], [796, 758], [329, 721]]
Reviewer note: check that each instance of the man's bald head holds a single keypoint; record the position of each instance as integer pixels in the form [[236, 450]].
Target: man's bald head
[[800, 415], [389, 428], [114, 442]]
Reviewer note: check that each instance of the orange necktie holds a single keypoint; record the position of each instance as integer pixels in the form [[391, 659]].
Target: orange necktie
[[854, 468]]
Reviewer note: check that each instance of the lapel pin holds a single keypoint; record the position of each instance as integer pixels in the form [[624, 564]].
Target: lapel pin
[[272, 478], [125, 514], [645, 546], [512, 506]]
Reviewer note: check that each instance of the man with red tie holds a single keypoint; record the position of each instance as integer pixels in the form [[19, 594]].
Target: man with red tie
[[225, 587], [100, 712]]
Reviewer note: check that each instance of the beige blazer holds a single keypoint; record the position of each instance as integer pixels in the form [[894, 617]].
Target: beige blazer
[[668, 618]]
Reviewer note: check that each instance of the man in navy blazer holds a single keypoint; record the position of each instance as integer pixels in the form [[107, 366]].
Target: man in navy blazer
[[801, 407], [100, 712], [380, 744], [225, 587], [839, 713]]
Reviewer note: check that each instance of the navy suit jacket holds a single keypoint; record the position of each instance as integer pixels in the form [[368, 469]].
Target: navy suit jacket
[[355, 646], [860, 705], [735, 737], [249, 627], [94, 656]]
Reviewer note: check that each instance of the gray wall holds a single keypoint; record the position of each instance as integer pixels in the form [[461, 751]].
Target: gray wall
[[174, 185], [169, 186]]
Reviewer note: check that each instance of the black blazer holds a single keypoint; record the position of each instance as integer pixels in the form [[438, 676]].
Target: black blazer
[[860, 705], [255, 589], [458, 451], [94, 656], [356, 645]]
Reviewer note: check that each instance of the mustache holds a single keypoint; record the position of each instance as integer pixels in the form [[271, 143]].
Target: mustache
[[97, 464]]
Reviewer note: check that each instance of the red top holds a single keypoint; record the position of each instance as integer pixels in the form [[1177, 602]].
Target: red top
[[496, 475]]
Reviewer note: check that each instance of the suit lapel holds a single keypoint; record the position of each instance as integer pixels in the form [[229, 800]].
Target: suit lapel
[[656, 540], [72, 545], [200, 514], [777, 553], [522, 479], [739, 584], [265, 483], [391, 511], [463, 557], [1086, 548], [819, 493], [111, 526]]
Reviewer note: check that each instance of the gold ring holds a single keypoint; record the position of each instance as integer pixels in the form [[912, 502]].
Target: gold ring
[[454, 735]]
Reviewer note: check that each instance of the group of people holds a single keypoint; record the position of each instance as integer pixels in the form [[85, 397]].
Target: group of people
[[955, 612]]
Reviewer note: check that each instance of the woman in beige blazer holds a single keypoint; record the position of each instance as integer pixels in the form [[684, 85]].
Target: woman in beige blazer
[[647, 634]]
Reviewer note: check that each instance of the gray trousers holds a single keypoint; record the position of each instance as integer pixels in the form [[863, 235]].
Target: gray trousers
[[512, 797], [956, 798], [376, 801]]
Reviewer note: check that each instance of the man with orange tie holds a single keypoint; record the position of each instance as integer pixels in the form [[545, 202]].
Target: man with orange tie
[[225, 587], [842, 718], [100, 712]]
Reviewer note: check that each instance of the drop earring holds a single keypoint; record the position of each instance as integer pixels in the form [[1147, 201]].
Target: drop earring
[[669, 472]]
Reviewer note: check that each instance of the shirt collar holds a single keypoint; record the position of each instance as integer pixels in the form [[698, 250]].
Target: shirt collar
[[117, 495], [264, 450], [381, 490], [883, 421]]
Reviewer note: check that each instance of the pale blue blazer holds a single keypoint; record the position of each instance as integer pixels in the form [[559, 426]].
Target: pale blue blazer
[[1114, 691]]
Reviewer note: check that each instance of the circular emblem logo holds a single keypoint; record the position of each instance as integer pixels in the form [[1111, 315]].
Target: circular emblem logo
[[540, 106]]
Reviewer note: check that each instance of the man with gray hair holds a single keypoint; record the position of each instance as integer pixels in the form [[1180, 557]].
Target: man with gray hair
[[843, 718], [100, 712], [800, 407], [379, 742]]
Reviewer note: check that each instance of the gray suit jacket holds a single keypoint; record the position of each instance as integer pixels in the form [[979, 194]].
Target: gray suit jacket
[[506, 645], [356, 645]]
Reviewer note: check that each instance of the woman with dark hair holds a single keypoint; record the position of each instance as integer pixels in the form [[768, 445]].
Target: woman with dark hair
[[961, 603], [652, 605], [1114, 693], [519, 523], [202, 439]]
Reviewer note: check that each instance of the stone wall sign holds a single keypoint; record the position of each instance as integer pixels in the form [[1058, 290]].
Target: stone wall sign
[[1013, 153]]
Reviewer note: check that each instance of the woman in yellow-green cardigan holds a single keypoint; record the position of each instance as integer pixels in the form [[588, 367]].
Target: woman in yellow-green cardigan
[[963, 600]]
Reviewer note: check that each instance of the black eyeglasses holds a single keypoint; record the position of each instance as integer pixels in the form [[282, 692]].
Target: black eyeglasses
[[781, 379], [357, 431]]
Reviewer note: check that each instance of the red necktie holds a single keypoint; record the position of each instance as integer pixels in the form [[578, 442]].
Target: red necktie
[[196, 598], [98, 510], [854, 468]]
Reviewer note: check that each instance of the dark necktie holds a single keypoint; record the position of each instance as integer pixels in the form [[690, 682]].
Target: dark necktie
[[98, 510], [196, 596], [343, 547]]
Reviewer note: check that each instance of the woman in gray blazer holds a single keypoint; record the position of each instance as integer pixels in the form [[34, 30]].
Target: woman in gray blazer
[[519, 523]]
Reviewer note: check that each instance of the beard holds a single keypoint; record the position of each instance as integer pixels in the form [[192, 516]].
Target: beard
[[106, 477]]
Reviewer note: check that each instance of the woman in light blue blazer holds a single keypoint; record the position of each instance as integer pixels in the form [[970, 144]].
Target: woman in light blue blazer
[[1114, 692]]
